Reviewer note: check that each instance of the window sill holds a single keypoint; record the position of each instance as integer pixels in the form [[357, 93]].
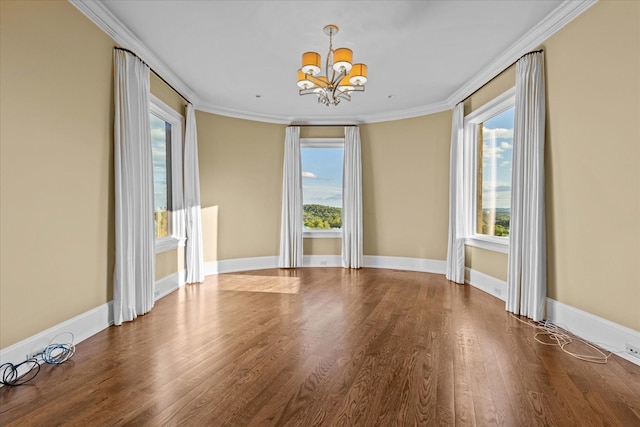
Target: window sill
[[322, 234], [164, 244], [495, 244]]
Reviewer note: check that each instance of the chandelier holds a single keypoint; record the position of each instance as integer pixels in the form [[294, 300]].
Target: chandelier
[[341, 77]]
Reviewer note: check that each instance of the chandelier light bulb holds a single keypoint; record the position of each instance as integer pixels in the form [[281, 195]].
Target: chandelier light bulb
[[358, 74], [311, 63], [342, 60], [303, 82]]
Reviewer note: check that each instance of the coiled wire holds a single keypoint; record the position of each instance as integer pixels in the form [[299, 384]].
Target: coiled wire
[[22, 373]]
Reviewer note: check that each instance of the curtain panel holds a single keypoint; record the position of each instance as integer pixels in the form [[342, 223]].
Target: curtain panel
[[291, 224], [135, 252], [194, 262], [527, 268], [352, 251], [455, 245]]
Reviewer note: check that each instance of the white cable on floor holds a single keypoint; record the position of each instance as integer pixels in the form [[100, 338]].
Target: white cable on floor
[[561, 338]]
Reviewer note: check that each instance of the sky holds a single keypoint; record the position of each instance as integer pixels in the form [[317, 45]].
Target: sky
[[497, 154], [322, 176], [158, 147]]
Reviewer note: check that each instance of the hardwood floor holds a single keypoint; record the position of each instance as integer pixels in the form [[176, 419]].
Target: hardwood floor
[[325, 346]]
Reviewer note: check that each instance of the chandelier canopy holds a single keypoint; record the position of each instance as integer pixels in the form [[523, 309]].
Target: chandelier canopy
[[341, 77]]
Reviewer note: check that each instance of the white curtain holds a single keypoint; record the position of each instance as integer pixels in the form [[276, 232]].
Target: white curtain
[[527, 267], [135, 252], [455, 252], [352, 200], [291, 225], [194, 262]]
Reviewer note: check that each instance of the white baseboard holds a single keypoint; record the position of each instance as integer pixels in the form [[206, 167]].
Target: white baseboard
[[168, 284], [397, 263], [602, 332], [404, 263], [488, 284], [245, 264], [82, 327], [596, 330], [322, 261]]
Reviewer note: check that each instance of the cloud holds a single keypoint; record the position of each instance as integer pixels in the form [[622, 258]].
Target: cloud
[[504, 163], [158, 135], [492, 152], [496, 186], [497, 133], [505, 145], [309, 175], [333, 197]]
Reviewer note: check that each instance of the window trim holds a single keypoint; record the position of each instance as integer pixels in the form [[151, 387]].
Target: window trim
[[321, 143], [492, 108], [177, 237]]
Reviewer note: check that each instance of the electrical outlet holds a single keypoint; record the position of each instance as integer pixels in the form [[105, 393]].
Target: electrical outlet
[[632, 350]]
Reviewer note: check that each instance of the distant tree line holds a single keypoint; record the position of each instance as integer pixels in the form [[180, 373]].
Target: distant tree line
[[161, 222], [501, 227], [321, 217]]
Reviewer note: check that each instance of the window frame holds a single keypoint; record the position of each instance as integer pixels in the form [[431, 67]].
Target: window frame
[[176, 236], [321, 143], [489, 110]]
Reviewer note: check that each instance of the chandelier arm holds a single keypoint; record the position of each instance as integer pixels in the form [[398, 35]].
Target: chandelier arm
[[336, 83], [315, 80]]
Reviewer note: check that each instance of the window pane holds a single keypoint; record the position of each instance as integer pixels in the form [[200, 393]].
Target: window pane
[[322, 187], [495, 150], [161, 149]]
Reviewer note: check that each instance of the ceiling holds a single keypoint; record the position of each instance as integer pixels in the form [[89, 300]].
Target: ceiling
[[239, 58]]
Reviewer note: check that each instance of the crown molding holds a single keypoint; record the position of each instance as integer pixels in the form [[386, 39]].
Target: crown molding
[[278, 119], [337, 120], [241, 114], [554, 21], [409, 113], [111, 25]]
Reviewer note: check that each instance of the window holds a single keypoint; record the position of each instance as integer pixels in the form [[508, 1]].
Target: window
[[322, 160], [161, 149], [166, 146], [489, 139]]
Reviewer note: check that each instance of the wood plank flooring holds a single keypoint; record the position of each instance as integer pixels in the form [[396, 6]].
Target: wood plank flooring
[[325, 347]]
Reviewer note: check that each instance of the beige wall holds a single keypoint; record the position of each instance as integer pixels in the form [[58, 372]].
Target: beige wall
[[166, 94], [167, 263], [240, 165], [498, 85], [485, 261], [405, 186], [315, 246], [593, 162], [56, 181]]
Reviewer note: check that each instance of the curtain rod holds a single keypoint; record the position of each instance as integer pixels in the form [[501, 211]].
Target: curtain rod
[[528, 53], [320, 126], [154, 72], [514, 62]]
